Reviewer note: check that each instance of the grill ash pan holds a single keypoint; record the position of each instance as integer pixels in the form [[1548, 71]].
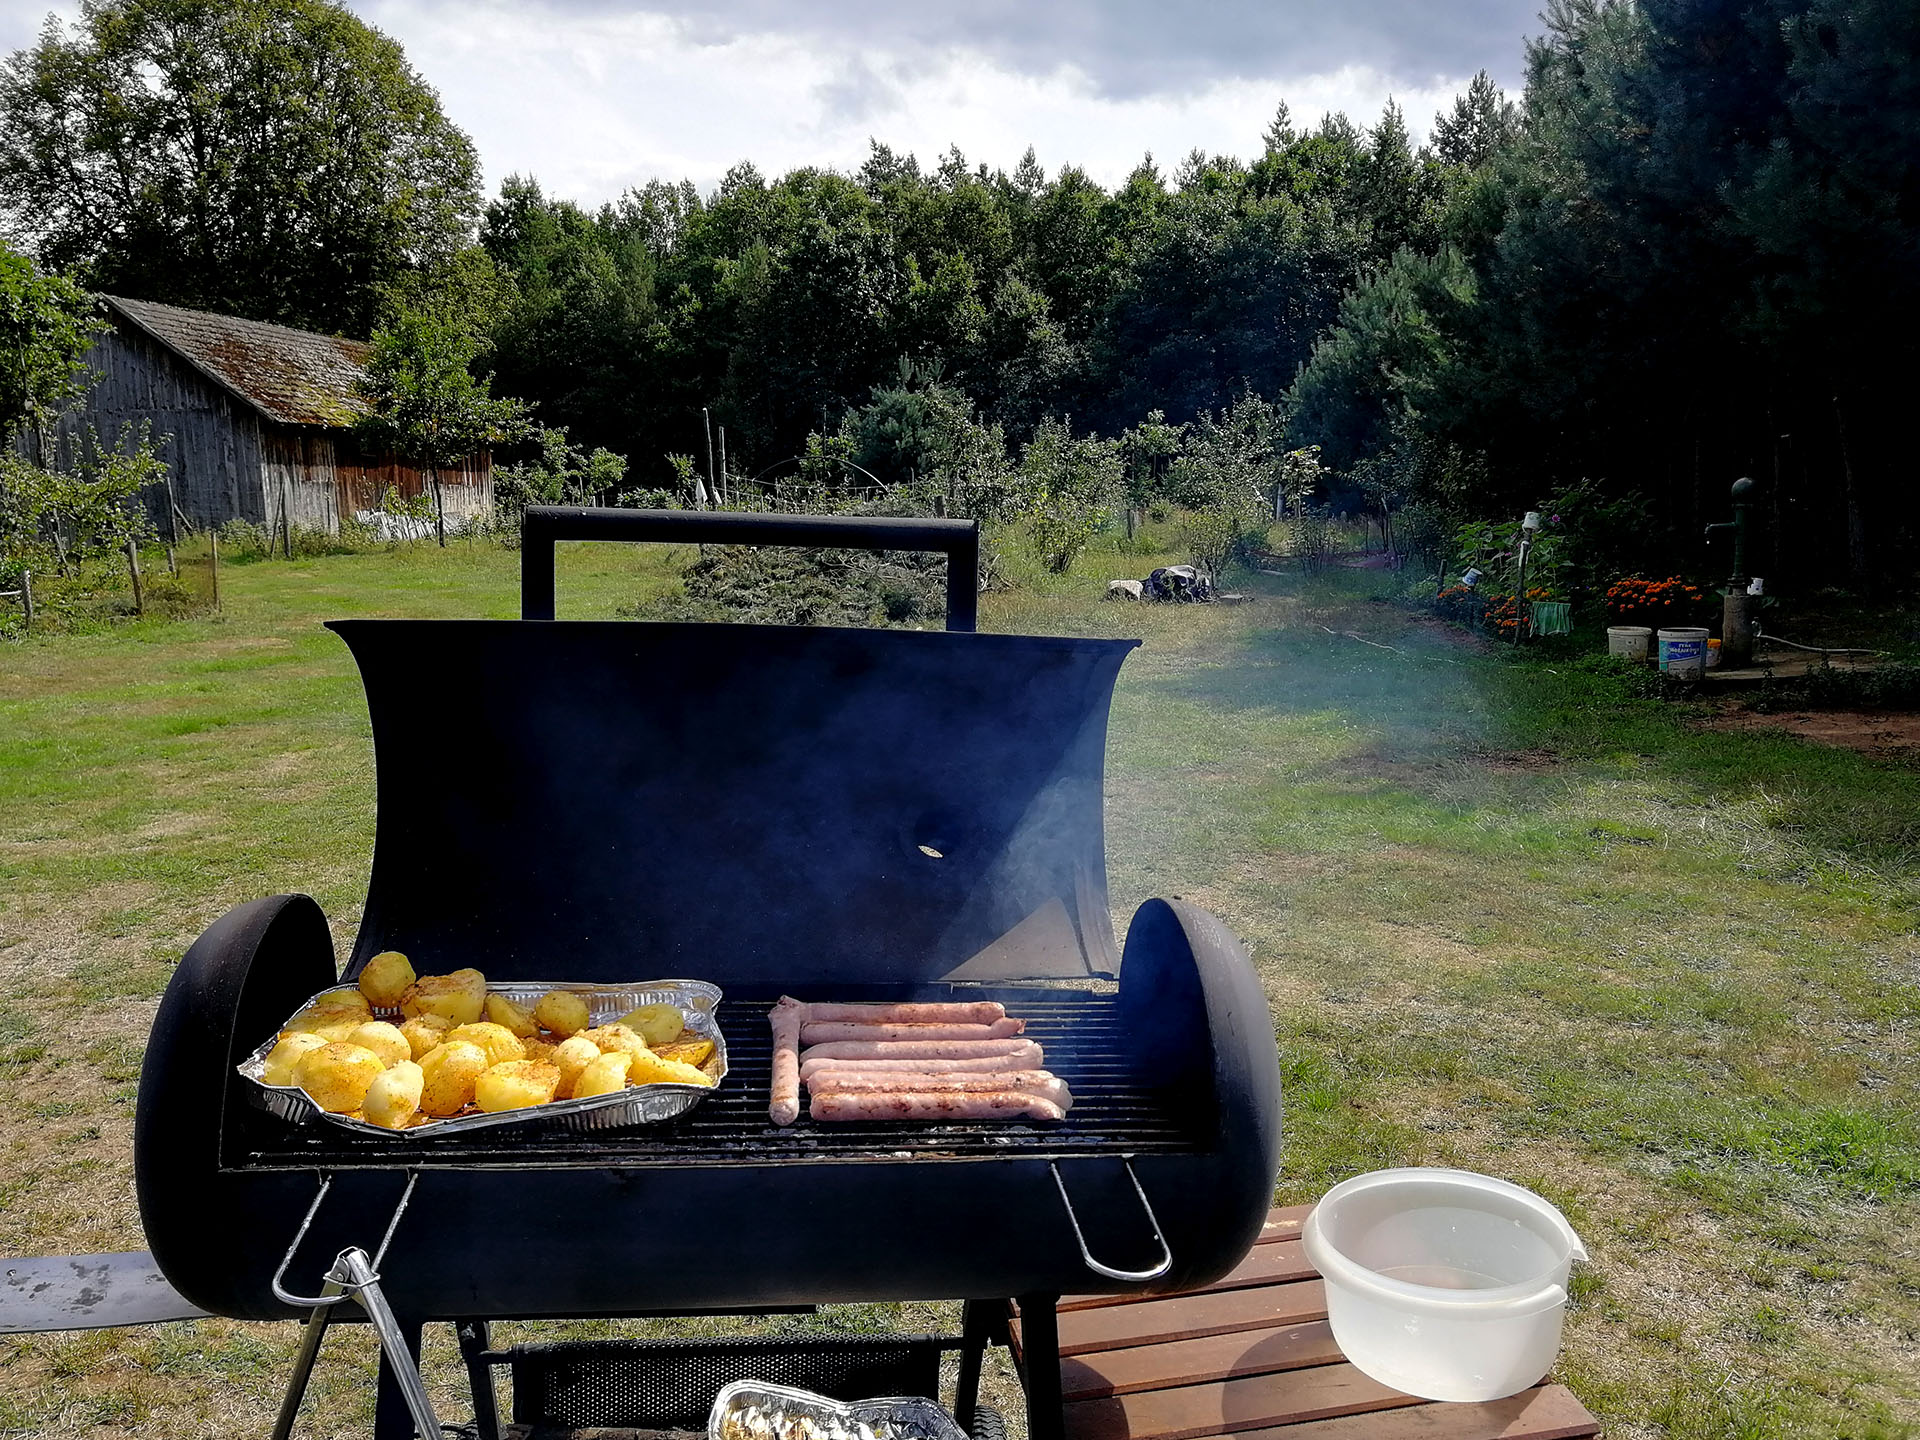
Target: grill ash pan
[[637, 1105]]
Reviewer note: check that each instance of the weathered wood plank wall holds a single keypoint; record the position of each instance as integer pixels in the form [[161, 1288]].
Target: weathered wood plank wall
[[210, 441], [228, 462], [466, 491]]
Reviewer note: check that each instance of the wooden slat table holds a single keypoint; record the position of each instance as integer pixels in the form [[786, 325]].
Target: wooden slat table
[[1251, 1356]]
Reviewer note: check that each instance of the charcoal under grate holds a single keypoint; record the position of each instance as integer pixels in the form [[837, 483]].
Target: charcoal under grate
[[670, 1384]]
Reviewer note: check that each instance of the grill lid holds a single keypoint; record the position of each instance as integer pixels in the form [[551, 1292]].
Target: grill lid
[[749, 804]]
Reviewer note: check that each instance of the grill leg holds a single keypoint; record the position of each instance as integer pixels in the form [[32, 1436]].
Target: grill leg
[[976, 1333], [474, 1342], [1040, 1367], [392, 1418], [311, 1334]]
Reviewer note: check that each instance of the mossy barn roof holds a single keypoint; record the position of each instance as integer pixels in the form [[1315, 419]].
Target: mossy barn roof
[[293, 377]]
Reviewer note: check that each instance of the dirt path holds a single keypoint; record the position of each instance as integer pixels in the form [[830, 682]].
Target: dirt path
[[1887, 734]]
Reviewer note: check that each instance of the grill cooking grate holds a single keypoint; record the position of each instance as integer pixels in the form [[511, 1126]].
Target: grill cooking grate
[[1082, 1034]]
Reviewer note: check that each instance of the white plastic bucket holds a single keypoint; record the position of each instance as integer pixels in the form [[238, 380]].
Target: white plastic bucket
[[1683, 651], [1442, 1283], [1629, 642]]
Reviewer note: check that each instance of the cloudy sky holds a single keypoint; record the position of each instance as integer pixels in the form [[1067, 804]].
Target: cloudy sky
[[595, 95]]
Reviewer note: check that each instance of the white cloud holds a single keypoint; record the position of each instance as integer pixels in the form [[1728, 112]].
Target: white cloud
[[596, 99], [593, 103]]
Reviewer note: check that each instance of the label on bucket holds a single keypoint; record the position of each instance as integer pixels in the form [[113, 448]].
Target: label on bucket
[[1687, 656]]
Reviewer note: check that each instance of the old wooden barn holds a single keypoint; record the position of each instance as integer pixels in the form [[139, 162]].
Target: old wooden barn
[[257, 420]]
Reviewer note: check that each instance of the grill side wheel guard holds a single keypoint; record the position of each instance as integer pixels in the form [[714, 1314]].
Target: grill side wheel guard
[[235, 984], [1184, 973]]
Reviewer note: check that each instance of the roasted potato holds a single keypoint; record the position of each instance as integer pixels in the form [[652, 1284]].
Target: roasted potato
[[385, 978], [286, 1054], [516, 1085], [616, 1037], [514, 1016], [563, 1012], [449, 1073], [340, 1003], [382, 1039], [539, 1049], [500, 1043], [687, 1052], [460, 996], [394, 1096], [327, 1024], [336, 1076], [655, 1024], [423, 1032], [649, 1069], [572, 1055], [604, 1076]]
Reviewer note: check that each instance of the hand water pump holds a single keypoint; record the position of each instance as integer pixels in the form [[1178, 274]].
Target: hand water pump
[[1736, 614]]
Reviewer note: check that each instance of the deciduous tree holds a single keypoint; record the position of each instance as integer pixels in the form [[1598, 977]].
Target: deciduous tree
[[426, 405], [277, 159]]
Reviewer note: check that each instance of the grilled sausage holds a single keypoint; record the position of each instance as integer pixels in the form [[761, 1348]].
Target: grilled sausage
[[816, 1032], [983, 1065], [969, 1012], [1041, 1084], [783, 1101], [994, 1105], [922, 1050]]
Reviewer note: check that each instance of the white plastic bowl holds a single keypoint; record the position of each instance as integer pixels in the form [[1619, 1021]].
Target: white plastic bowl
[[1442, 1283]]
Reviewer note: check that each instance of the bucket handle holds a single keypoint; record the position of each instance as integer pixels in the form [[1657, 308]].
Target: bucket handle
[[1135, 1276]]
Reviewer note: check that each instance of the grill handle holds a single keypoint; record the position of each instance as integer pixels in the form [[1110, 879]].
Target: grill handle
[[544, 525], [330, 1296], [1133, 1276]]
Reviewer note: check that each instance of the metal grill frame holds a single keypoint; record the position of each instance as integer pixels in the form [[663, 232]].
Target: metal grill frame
[[214, 1212]]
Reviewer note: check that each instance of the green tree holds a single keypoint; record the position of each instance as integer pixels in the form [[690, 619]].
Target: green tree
[[424, 402], [88, 503], [1070, 481], [47, 324], [277, 159], [1481, 122], [1384, 358], [1148, 453], [558, 473]]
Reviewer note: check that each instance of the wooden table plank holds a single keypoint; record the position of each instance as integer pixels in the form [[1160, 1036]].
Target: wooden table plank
[[1284, 1223], [1251, 1357], [1190, 1317], [1266, 1264], [1549, 1412], [1232, 1407], [1193, 1362]]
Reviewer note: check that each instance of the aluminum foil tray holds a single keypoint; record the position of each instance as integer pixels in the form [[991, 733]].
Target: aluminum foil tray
[[638, 1105], [752, 1410]]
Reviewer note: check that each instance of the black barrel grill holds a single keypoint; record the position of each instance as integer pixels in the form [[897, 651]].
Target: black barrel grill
[[835, 814]]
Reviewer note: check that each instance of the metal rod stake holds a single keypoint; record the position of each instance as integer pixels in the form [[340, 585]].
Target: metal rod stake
[[311, 1334], [398, 1349]]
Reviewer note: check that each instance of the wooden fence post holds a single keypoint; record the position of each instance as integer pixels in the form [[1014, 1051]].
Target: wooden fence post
[[214, 536], [26, 598], [133, 569]]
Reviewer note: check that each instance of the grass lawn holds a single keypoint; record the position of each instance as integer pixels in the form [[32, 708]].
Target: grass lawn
[[1510, 917]]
